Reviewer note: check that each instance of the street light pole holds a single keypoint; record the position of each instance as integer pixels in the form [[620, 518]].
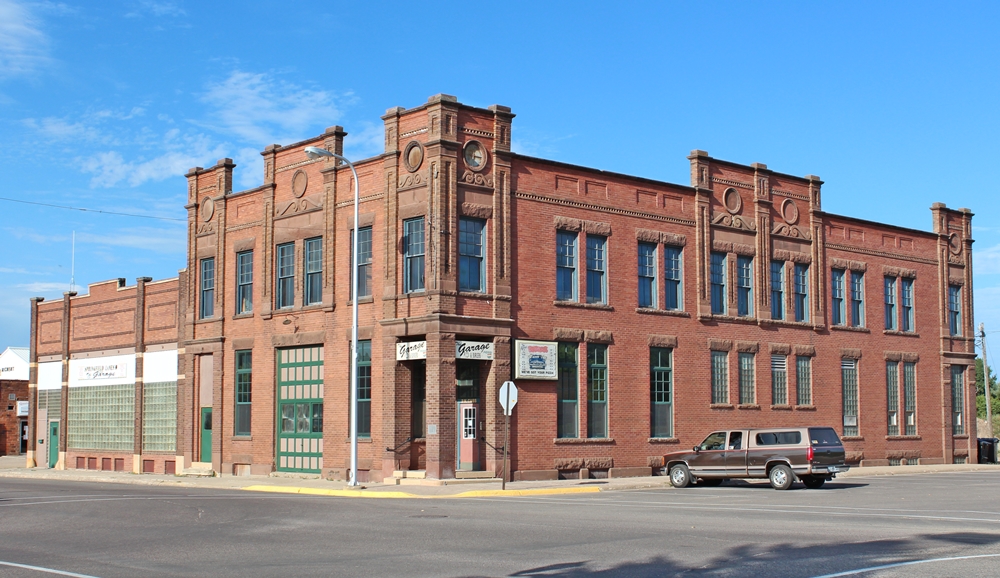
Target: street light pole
[[315, 153]]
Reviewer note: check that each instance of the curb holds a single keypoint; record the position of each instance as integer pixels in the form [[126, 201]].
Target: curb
[[376, 494]]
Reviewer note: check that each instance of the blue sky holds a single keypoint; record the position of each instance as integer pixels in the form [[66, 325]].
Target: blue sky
[[104, 105]]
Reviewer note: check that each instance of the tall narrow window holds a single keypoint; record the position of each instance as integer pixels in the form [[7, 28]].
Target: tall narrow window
[[777, 289], [803, 379], [314, 271], [467, 380], [284, 293], [837, 311], [747, 394], [955, 309], [744, 286], [647, 275], [892, 393], [801, 289], [958, 399], [565, 266], [857, 299], [717, 274], [890, 302], [779, 380], [597, 390], [364, 388], [672, 277], [244, 282], [413, 255], [471, 262], [207, 305], [910, 397], [597, 291], [720, 377], [568, 391], [364, 267], [849, 383], [907, 313], [660, 393], [244, 386]]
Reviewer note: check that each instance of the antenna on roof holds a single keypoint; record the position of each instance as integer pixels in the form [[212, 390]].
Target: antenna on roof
[[72, 264]]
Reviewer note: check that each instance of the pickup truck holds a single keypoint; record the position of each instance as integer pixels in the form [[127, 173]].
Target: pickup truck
[[782, 455]]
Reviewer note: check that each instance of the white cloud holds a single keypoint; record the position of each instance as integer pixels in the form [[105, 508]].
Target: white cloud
[[181, 152], [367, 142], [167, 241], [23, 46], [39, 287], [986, 261]]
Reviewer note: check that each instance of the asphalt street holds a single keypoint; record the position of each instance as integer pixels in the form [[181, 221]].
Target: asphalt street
[[936, 524]]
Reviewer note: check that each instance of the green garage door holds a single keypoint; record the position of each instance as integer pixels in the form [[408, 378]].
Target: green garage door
[[300, 409]]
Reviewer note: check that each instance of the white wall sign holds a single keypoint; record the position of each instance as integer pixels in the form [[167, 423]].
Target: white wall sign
[[101, 371], [474, 350], [535, 359], [110, 370], [408, 350], [22, 408]]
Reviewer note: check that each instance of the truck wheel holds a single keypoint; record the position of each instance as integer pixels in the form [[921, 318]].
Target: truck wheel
[[814, 482], [680, 476], [781, 477]]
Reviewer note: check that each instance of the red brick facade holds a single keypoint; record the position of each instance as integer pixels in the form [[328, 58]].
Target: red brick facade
[[450, 163]]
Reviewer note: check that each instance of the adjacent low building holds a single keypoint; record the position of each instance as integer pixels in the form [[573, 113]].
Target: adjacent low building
[[634, 315], [14, 400]]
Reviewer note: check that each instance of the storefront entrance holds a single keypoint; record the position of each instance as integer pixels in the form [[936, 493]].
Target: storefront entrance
[[53, 443], [300, 409], [467, 392]]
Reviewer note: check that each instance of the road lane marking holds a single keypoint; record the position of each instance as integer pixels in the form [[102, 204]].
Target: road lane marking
[[910, 563], [46, 570]]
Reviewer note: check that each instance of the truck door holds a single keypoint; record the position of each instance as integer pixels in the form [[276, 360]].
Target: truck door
[[711, 457], [736, 454]]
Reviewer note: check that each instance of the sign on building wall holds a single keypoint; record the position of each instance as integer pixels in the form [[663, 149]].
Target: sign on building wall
[[411, 350], [102, 371], [474, 350], [535, 360], [22, 408]]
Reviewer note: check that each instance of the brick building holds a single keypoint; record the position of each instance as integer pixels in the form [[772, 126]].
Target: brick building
[[14, 396], [634, 315]]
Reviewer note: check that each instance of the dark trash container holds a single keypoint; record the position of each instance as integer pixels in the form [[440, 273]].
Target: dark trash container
[[988, 450]]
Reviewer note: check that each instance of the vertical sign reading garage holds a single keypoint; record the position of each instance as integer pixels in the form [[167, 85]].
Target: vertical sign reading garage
[[535, 359]]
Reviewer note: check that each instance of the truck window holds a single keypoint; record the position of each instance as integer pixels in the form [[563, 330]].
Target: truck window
[[714, 441], [779, 438], [736, 440], [823, 436]]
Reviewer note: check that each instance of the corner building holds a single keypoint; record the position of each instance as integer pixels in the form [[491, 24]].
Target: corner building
[[635, 316]]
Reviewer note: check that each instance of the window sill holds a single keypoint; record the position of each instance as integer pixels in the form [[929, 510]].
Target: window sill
[[786, 323], [721, 406], [728, 319], [900, 333], [894, 438], [578, 305], [961, 436], [667, 312], [853, 438], [243, 316], [782, 407], [664, 440], [579, 441], [242, 438], [361, 440], [207, 320], [475, 295], [850, 328], [805, 408], [748, 406], [368, 299]]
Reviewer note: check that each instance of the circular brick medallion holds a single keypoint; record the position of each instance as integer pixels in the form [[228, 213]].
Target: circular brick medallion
[[475, 155], [413, 156], [207, 209], [732, 200], [300, 181], [955, 244], [789, 211]]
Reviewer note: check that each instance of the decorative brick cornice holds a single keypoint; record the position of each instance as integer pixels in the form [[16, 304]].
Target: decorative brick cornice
[[602, 208], [887, 255]]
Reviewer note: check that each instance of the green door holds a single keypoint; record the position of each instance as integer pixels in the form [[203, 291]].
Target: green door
[[300, 409], [206, 434], [53, 443]]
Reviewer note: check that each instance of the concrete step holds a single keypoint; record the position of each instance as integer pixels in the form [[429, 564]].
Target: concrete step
[[470, 475], [199, 470], [412, 474]]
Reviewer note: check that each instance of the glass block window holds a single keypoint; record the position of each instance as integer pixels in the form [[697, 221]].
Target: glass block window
[[889, 291], [471, 254], [906, 320], [364, 268], [801, 292], [803, 379], [413, 255], [849, 384], [779, 380], [910, 398], [314, 271], [720, 377], [284, 292], [244, 282], [568, 391], [744, 286], [747, 394], [159, 417], [365, 388], [958, 399], [661, 393], [244, 391], [647, 275], [777, 289], [717, 279], [672, 277], [837, 311], [857, 299], [597, 291], [207, 305], [565, 266], [51, 401], [101, 418], [955, 309], [892, 389], [597, 390]]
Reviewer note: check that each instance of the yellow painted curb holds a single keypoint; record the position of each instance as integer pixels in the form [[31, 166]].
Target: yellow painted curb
[[535, 492], [322, 492]]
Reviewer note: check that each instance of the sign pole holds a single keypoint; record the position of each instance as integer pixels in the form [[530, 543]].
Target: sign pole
[[506, 439]]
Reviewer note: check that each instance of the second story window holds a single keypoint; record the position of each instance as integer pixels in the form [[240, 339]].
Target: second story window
[[413, 255], [777, 290], [672, 277], [647, 275], [364, 268], [955, 309], [857, 299], [744, 286], [717, 276], [314, 271], [244, 282], [471, 253], [207, 305], [837, 311], [801, 293], [596, 269], [565, 266], [284, 292], [889, 285], [907, 312]]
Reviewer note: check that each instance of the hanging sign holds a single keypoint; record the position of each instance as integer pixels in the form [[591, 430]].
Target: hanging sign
[[474, 350], [535, 360], [408, 350]]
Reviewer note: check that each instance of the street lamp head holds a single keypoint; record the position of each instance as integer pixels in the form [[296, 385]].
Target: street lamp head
[[316, 152]]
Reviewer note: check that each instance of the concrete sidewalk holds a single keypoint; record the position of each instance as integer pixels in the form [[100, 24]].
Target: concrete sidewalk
[[13, 467]]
